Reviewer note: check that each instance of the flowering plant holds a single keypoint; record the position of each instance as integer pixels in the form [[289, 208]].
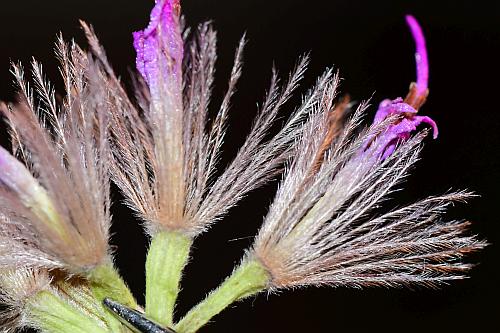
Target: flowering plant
[[161, 149]]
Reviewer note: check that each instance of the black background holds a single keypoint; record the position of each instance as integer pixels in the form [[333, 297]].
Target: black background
[[371, 46]]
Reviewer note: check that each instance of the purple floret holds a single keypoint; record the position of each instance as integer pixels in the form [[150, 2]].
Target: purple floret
[[159, 47], [406, 109]]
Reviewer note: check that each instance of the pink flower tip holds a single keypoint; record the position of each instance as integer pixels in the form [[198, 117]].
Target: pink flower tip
[[159, 46], [420, 55]]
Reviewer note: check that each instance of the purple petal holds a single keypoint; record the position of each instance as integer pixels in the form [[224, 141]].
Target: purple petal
[[388, 107], [420, 55], [401, 130], [394, 134], [160, 47]]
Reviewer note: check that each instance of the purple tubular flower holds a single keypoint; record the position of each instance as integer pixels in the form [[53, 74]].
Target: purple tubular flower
[[407, 108], [160, 47]]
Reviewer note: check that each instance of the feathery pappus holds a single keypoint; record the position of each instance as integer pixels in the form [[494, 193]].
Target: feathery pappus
[[50, 232], [157, 143]]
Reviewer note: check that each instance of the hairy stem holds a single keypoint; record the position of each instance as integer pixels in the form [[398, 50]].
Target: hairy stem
[[105, 281], [51, 313], [246, 280], [167, 256]]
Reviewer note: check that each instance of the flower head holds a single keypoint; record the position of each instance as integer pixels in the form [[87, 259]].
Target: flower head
[[166, 151], [54, 200], [323, 228]]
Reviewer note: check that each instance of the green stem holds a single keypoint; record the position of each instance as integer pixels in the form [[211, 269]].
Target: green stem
[[86, 302], [106, 282], [167, 256], [52, 314], [246, 280]]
